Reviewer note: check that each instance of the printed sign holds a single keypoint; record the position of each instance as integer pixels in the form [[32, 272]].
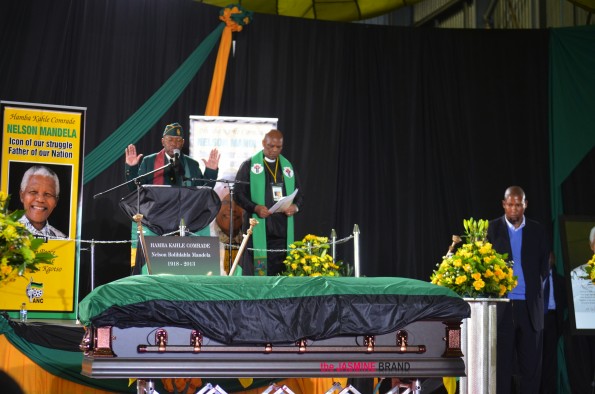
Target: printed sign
[[44, 142], [183, 255]]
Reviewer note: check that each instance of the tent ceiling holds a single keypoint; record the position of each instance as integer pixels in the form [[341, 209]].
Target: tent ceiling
[[330, 10], [588, 5]]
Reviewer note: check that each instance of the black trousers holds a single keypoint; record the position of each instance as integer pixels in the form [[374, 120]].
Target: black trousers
[[549, 368], [275, 260], [518, 346]]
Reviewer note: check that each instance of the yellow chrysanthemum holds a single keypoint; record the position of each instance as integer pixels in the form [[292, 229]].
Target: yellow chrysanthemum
[[489, 259], [485, 249], [499, 273], [5, 269], [503, 290], [479, 284]]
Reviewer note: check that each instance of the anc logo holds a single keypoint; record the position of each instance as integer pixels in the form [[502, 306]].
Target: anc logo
[[34, 290]]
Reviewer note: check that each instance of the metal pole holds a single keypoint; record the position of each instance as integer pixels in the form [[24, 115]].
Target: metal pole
[[145, 386], [92, 264], [356, 250], [334, 246]]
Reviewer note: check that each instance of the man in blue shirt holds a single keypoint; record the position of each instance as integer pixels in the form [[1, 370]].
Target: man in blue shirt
[[520, 321]]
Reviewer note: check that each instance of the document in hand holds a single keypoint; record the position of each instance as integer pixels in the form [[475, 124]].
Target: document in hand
[[284, 203]]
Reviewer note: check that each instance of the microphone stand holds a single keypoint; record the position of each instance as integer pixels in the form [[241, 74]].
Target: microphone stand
[[135, 180], [230, 184], [138, 216]]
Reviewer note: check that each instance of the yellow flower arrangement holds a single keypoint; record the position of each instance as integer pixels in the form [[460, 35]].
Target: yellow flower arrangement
[[310, 257], [18, 247], [475, 269], [590, 269]]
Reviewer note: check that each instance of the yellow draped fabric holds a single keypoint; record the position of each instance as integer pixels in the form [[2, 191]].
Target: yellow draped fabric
[[32, 378], [229, 17], [303, 385], [450, 384], [35, 380]]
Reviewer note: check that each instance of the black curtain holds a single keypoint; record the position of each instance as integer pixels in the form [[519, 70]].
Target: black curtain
[[401, 131]]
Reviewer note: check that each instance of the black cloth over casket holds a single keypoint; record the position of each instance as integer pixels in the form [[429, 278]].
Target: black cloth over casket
[[164, 206]]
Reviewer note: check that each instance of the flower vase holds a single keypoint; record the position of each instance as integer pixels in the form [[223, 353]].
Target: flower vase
[[478, 343]]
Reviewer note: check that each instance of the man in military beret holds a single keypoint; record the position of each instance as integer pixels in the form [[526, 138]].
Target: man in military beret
[[185, 170]]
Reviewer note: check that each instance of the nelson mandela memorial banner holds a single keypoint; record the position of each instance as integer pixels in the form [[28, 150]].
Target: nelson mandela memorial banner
[[42, 156]]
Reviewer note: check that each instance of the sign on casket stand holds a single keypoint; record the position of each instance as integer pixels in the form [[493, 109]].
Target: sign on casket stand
[[183, 255]]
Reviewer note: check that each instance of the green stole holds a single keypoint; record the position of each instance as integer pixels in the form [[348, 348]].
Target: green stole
[[258, 189]]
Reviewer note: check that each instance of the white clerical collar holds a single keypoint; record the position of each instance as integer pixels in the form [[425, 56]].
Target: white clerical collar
[[270, 160]]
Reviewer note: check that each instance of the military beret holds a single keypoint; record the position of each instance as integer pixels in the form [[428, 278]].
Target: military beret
[[174, 129]]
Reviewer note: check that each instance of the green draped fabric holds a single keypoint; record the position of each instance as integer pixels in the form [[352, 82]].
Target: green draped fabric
[[62, 363], [67, 365], [150, 112], [134, 290], [572, 122], [572, 119]]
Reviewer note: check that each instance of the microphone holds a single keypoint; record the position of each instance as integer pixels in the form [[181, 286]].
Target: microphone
[[176, 160]]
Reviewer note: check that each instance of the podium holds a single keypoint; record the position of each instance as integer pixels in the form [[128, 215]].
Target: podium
[[162, 209]]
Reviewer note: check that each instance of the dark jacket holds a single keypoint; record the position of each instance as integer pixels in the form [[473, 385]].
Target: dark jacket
[[535, 252], [188, 170]]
